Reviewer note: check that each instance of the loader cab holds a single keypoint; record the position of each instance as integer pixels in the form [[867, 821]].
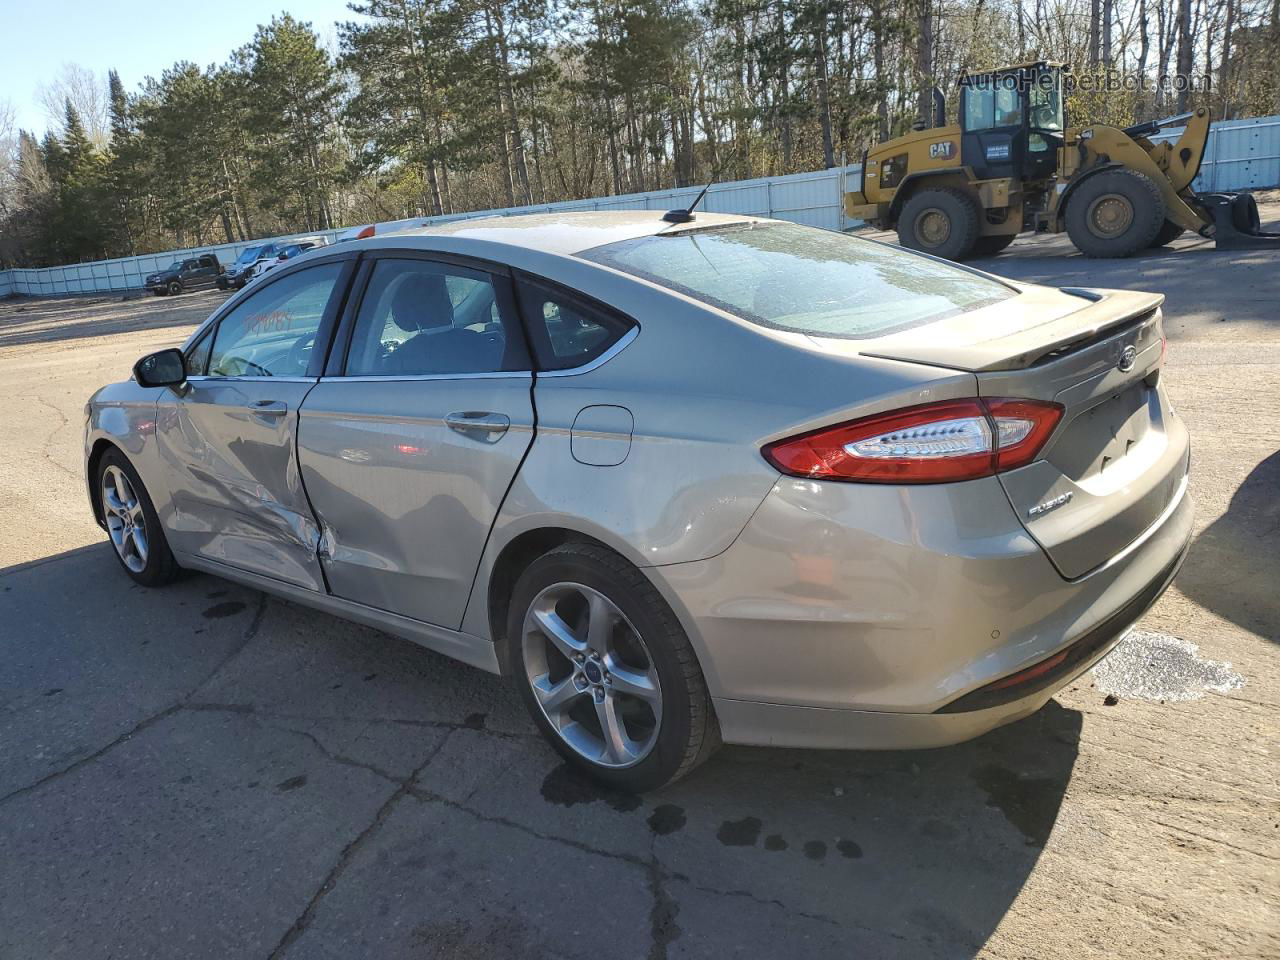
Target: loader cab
[[1012, 122]]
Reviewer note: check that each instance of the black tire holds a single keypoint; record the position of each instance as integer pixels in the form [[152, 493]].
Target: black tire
[[175, 287], [990, 246], [160, 567], [687, 732], [1244, 213], [942, 221], [1168, 233], [1116, 213]]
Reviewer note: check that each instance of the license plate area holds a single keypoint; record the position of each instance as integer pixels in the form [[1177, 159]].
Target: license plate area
[[1100, 439]]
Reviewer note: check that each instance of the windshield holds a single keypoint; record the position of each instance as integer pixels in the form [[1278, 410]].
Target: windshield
[[175, 266], [802, 279], [248, 256]]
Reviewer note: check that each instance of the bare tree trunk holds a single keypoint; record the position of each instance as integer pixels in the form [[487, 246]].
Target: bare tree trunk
[[924, 61], [824, 101], [1224, 71], [882, 88], [1095, 17], [1184, 52], [1108, 15]]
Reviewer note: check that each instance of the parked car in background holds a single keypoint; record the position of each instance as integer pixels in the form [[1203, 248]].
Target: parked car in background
[[237, 275], [681, 482], [281, 253], [189, 274]]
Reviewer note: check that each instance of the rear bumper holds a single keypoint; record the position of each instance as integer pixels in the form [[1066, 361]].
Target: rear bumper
[[866, 617]]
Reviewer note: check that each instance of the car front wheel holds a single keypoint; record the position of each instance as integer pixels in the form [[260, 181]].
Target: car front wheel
[[132, 523], [606, 670]]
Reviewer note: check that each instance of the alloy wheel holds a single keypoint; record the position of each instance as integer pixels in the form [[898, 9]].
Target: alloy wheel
[[126, 522], [592, 675]]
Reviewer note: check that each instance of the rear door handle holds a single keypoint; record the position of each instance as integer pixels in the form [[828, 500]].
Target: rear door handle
[[479, 424], [269, 409]]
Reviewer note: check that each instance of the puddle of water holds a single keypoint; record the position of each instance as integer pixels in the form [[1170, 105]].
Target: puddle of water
[[1146, 665]]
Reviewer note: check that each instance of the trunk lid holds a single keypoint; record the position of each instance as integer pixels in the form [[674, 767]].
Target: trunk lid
[[1118, 458]]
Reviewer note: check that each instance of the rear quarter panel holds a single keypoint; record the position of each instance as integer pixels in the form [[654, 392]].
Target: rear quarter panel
[[705, 391]]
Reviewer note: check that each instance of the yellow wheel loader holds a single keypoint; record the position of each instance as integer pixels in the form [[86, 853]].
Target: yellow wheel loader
[[1011, 164]]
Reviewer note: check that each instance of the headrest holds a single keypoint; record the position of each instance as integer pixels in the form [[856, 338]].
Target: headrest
[[421, 302]]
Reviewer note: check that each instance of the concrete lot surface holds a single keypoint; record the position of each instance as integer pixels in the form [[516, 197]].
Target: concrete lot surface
[[201, 771]]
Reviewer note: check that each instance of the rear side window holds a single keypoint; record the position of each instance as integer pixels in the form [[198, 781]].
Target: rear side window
[[565, 330], [802, 279]]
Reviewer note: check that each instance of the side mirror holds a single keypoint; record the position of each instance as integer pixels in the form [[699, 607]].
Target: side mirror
[[164, 368]]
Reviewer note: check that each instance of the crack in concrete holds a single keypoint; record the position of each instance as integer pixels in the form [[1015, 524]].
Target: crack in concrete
[[250, 632], [427, 796], [447, 725], [340, 758], [662, 915], [48, 440], [792, 911], [349, 852]]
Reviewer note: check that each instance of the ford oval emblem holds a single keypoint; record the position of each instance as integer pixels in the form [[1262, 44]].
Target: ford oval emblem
[[1128, 357]]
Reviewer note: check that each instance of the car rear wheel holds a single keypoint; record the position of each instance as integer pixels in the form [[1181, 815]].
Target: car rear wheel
[[941, 221], [132, 523], [606, 671]]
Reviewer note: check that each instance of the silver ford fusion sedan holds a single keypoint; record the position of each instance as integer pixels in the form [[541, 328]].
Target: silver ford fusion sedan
[[682, 482]]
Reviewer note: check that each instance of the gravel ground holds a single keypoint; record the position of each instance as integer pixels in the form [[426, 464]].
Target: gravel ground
[[205, 772]]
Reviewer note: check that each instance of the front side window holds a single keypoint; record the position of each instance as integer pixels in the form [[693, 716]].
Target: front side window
[[197, 357], [802, 279], [420, 318], [272, 332]]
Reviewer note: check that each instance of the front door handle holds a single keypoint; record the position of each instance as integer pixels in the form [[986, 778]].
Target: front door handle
[[479, 425]]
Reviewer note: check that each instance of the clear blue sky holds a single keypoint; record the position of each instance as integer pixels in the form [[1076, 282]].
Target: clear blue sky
[[136, 39]]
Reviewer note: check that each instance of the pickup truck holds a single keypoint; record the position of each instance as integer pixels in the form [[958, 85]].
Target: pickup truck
[[201, 271]]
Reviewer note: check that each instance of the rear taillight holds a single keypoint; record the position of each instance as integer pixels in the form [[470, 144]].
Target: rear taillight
[[931, 443]]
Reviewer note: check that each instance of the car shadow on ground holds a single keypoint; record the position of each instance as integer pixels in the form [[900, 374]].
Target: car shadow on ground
[[283, 783], [24, 321], [1232, 568]]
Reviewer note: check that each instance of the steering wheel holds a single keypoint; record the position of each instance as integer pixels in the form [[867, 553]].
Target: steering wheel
[[298, 355]]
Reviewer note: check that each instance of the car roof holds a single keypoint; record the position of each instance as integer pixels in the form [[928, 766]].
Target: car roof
[[565, 234]]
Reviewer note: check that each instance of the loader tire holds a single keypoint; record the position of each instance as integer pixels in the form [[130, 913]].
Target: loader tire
[[1168, 233], [942, 221], [1115, 214], [990, 246]]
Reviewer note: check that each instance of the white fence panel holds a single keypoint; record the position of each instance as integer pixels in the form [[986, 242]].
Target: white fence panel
[[1241, 155]]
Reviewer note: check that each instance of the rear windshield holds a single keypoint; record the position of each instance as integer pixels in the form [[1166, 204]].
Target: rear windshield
[[802, 279]]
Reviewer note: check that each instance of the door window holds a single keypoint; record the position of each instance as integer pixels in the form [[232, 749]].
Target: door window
[[273, 331], [567, 332], [197, 358], [420, 318]]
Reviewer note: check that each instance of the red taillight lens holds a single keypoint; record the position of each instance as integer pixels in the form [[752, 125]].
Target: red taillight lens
[[931, 443]]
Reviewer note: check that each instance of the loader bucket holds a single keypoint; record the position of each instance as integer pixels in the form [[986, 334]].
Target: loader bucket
[[1236, 225]]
